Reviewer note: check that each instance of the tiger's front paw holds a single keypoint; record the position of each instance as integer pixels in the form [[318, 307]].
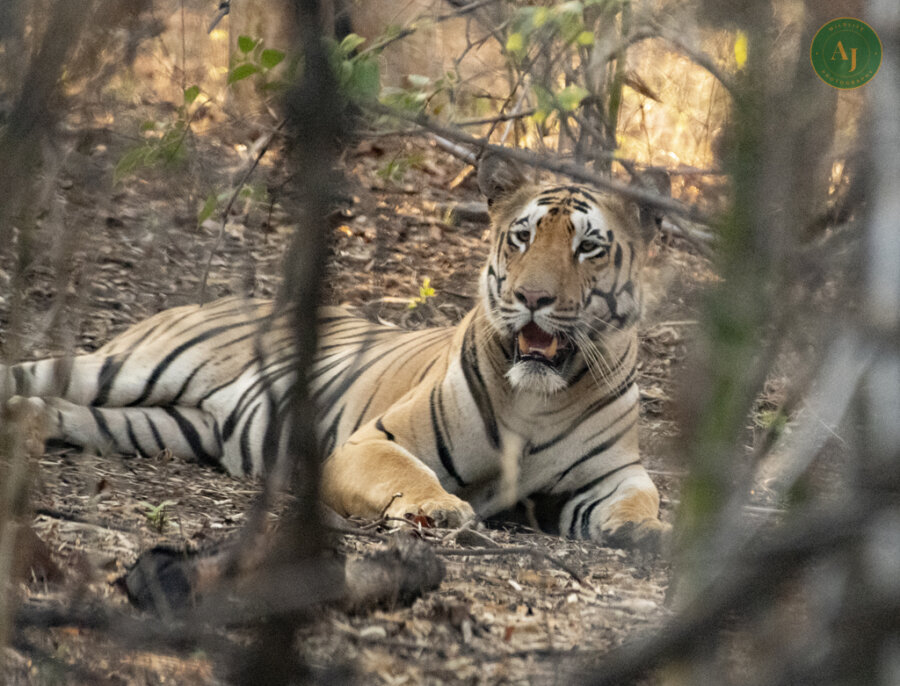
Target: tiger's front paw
[[649, 535], [445, 511], [29, 417]]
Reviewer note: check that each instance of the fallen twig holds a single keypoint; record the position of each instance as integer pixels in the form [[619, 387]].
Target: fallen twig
[[514, 550]]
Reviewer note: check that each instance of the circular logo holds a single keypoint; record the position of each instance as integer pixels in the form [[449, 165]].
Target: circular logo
[[845, 53]]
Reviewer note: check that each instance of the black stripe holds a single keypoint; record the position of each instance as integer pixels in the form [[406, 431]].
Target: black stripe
[[581, 206], [108, 373], [329, 438], [380, 426], [587, 195], [231, 379], [586, 515], [175, 354], [278, 412], [262, 383], [426, 370], [587, 487], [580, 374], [584, 488], [440, 443], [362, 415], [187, 382], [159, 441], [350, 376], [596, 450], [336, 318], [189, 431], [590, 411], [100, 420], [477, 387], [133, 438], [246, 457]]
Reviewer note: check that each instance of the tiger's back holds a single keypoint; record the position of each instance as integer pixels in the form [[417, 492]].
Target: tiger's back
[[230, 359]]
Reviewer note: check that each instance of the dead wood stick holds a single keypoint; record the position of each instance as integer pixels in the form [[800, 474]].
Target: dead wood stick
[[514, 550], [168, 581], [397, 575], [65, 516]]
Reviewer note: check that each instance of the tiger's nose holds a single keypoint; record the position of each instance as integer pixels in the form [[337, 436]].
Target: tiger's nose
[[534, 300]]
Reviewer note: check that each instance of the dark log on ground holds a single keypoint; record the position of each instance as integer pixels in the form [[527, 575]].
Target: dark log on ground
[[168, 580]]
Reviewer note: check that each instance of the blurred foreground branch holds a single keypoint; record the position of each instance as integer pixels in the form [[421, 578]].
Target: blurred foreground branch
[[832, 562]]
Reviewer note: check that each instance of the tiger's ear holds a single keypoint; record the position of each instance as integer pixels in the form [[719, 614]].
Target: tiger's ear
[[498, 176]]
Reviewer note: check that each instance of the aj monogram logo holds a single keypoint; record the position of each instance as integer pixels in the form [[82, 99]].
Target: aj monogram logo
[[845, 53], [840, 53]]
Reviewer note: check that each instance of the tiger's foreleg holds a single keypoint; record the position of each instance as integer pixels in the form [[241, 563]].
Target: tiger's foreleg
[[185, 431], [621, 510], [364, 476]]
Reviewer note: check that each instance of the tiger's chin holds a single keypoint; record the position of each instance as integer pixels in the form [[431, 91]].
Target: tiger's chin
[[530, 376]]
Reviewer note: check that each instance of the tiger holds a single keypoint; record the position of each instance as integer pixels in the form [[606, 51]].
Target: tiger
[[540, 374]]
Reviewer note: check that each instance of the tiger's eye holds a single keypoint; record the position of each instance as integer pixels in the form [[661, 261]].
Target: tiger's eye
[[522, 235]]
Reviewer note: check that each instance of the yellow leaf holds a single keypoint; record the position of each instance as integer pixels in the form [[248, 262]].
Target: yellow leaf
[[740, 49], [585, 38], [515, 43]]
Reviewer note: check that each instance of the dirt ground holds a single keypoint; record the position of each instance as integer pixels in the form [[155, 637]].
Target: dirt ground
[[108, 255]]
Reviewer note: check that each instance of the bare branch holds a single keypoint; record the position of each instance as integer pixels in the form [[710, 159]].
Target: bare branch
[[577, 172]]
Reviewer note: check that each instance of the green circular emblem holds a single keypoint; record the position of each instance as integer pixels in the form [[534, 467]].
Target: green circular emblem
[[845, 53]]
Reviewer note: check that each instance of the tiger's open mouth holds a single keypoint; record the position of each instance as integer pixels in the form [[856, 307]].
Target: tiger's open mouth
[[535, 344]]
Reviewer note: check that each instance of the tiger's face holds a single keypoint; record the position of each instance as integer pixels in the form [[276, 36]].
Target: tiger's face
[[562, 276]]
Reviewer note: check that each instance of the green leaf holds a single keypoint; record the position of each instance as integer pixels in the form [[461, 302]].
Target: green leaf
[[351, 42], [246, 44], [208, 208], [545, 101], [130, 161], [190, 94], [570, 97], [271, 58], [241, 72], [365, 79]]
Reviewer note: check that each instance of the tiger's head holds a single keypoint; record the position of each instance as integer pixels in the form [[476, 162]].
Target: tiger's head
[[562, 278]]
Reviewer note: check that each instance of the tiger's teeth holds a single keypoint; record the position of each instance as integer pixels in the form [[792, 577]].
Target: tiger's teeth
[[523, 344], [550, 351]]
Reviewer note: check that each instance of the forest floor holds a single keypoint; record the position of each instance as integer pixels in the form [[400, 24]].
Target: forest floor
[[108, 255]]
